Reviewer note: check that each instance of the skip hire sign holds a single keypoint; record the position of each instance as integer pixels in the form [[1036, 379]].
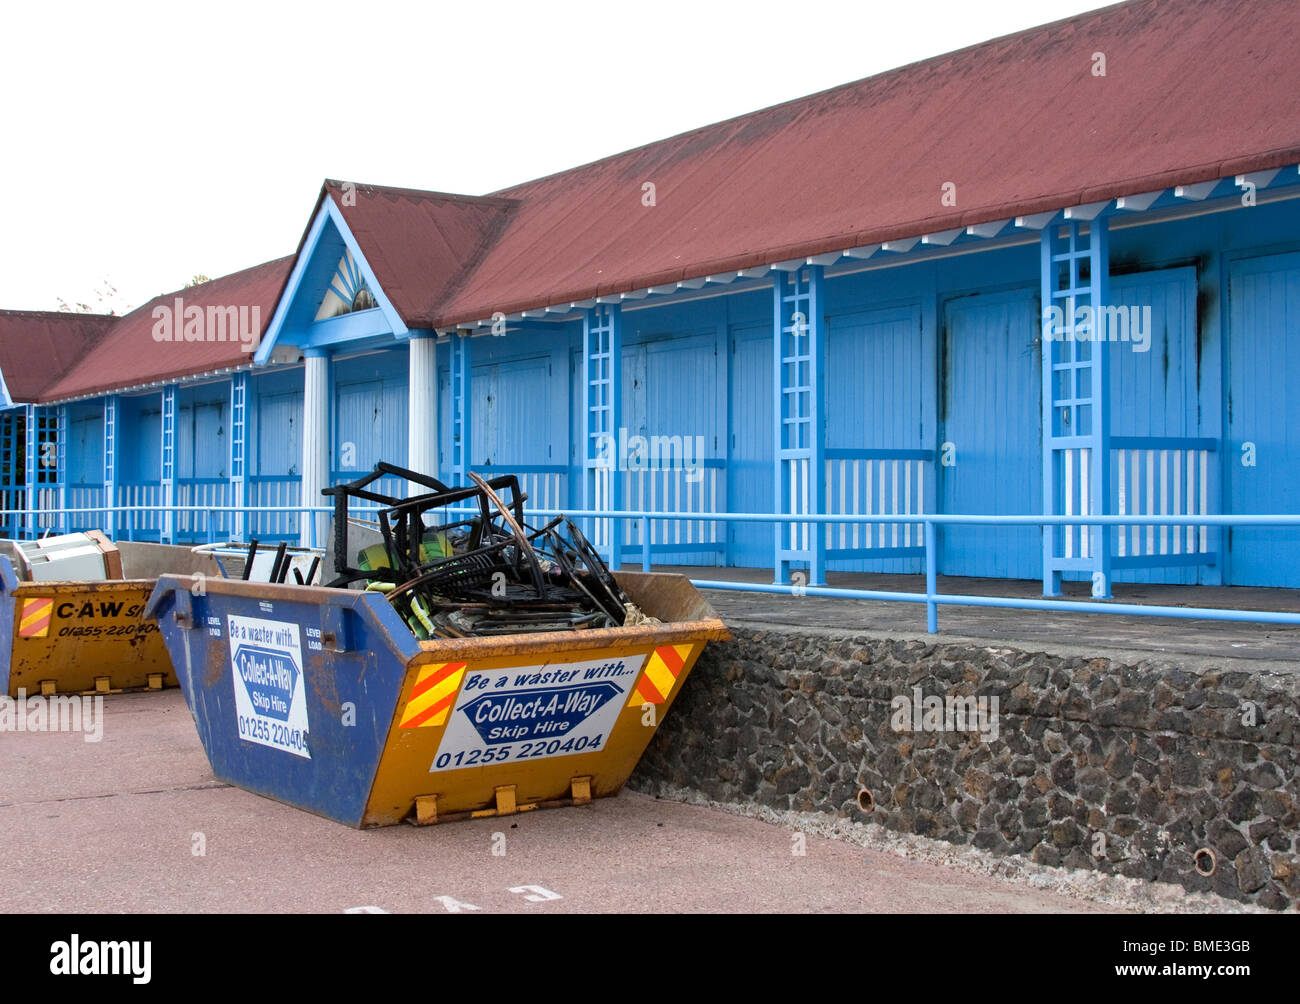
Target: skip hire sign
[[270, 702], [528, 712]]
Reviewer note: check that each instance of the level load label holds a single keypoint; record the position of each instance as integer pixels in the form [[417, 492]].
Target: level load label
[[532, 712], [270, 698]]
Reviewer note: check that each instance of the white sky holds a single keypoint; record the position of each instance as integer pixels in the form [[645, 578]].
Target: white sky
[[145, 143]]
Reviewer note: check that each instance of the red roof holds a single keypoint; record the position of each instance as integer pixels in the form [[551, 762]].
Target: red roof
[[1194, 89], [38, 347], [128, 355], [420, 244]]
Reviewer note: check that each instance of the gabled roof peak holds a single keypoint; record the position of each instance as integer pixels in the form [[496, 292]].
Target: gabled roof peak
[[333, 186]]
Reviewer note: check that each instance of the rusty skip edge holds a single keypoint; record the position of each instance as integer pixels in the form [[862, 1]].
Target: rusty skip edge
[[657, 593]]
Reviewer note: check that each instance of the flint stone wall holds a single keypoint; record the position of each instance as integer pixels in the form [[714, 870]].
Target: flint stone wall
[[1162, 760]]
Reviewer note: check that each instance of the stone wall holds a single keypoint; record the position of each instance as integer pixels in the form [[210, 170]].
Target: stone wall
[[1129, 766]]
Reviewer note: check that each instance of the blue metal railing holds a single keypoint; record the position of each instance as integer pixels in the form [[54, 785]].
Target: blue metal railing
[[931, 598]]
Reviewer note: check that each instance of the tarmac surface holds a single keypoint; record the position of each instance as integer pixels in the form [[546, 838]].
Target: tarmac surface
[[136, 823]]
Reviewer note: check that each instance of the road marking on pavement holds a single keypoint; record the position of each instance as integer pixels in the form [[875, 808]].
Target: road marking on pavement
[[535, 893], [453, 905], [365, 909]]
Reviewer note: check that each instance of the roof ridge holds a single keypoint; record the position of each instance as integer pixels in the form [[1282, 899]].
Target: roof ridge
[[503, 202], [60, 314]]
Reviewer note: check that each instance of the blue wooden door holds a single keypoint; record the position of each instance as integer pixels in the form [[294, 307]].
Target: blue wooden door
[[211, 453], [521, 409], [86, 449], [1154, 392], [1262, 451], [279, 442], [750, 465], [682, 407], [992, 419], [370, 423], [875, 388], [359, 428]]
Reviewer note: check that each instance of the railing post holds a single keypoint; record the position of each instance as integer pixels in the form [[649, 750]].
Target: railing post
[[931, 578]]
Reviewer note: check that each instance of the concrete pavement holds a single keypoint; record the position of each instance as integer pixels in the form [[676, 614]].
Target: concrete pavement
[[137, 823]]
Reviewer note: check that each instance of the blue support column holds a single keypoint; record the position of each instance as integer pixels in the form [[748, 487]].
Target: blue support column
[[602, 418], [462, 403], [112, 411], [167, 525], [1075, 261], [61, 466], [799, 344], [238, 450], [33, 468]]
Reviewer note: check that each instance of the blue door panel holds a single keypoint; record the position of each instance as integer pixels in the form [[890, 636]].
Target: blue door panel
[[750, 466], [1153, 392], [875, 383], [1264, 417], [991, 416]]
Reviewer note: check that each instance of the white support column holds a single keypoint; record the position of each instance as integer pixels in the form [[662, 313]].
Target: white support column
[[315, 444], [422, 432]]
